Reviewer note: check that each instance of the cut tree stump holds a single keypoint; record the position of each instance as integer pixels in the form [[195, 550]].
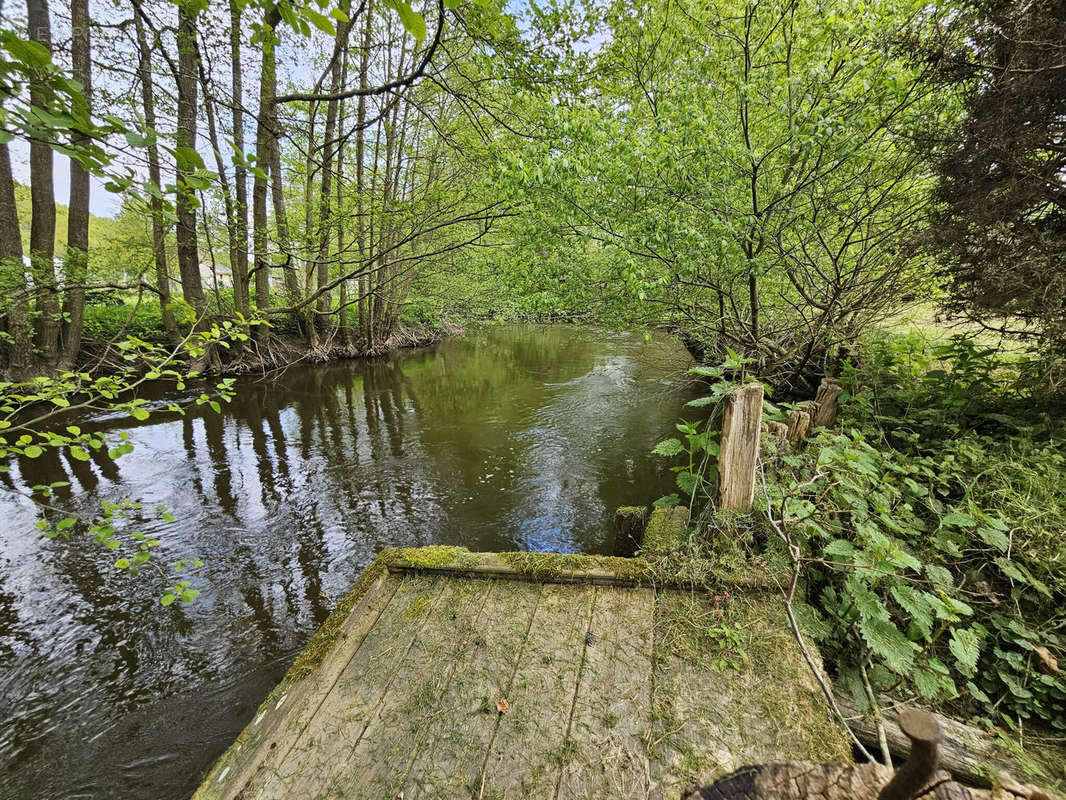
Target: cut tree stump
[[825, 402], [799, 423], [971, 755], [739, 450]]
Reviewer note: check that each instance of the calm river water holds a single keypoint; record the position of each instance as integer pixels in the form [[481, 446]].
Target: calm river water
[[517, 437]]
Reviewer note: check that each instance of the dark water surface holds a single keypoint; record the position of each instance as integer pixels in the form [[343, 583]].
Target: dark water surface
[[516, 437]]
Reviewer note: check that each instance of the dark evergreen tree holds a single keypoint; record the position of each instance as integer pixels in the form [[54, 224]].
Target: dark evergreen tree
[[1001, 225]]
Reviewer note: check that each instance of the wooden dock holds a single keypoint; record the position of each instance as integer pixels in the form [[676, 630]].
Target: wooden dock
[[448, 674]]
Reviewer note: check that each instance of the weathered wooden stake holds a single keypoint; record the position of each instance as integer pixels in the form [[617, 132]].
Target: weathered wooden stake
[[825, 402], [799, 422], [739, 450]]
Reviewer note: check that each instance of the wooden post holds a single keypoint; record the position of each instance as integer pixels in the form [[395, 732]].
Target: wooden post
[[799, 423], [825, 402], [629, 525], [739, 450], [778, 429]]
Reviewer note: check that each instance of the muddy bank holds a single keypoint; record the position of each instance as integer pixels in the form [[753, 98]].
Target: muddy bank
[[280, 351]]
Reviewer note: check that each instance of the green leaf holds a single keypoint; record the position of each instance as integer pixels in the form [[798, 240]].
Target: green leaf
[[687, 482], [994, 538], [33, 451], [887, 642], [167, 598], [668, 448], [79, 453], [122, 563], [189, 595], [320, 21], [413, 22], [957, 519], [139, 413], [966, 647], [667, 501]]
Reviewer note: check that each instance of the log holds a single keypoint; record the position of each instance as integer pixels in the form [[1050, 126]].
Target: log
[[968, 753], [739, 450], [799, 423], [825, 402]]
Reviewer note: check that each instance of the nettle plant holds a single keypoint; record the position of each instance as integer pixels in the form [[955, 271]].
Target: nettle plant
[[32, 422], [699, 444], [929, 529]]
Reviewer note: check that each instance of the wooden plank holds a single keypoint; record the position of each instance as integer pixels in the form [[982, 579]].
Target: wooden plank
[[611, 724], [377, 763], [326, 733], [256, 751], [719, 688], [559, 568], [449, 760], [530, 742]]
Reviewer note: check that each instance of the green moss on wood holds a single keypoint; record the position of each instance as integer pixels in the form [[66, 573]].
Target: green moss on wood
[[545, 566], [665, 531], [331, 630]]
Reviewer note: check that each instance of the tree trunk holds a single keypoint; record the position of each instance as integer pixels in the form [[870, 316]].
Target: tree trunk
[[43, 203], [342, 289], [188, 248], [228, 202], [78, 216], [360, 177], [159, 236], [325, 210], [20, 356], [239, 243], [263, 135]]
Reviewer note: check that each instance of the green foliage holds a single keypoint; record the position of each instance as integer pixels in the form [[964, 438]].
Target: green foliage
[[932, 529], [929, 527], [31, 423]]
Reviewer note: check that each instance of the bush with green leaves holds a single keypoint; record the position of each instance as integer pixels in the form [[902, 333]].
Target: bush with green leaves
[[930, 527]]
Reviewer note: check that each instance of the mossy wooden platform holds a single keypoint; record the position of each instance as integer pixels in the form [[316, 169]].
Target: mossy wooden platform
[[448, 674]]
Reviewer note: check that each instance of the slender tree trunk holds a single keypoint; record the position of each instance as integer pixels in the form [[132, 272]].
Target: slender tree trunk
[[360, 176], [239, 243], [43, 203], [325, 210], [228, 201], [188, 247], [159, 235], [20, 356], [78, 215], [281, 222], [342, 289], [263, 136]]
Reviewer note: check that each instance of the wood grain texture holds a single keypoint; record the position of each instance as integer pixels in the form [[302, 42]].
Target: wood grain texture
[[739, 450]]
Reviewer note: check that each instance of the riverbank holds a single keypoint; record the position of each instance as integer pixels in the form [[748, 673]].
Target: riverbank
[[282, 350]]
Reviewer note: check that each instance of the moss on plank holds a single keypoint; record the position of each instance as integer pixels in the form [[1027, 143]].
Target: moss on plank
[[544, 566], [678, 568], [665, 531], [330, 631], [730, 687]]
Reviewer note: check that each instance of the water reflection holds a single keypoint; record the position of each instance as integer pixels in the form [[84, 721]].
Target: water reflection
[[515, 438]]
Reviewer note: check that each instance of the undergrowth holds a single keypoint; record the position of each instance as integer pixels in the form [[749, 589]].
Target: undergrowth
[[931, 524]]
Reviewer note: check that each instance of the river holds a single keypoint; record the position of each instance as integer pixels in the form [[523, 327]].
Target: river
[[510, 438]]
